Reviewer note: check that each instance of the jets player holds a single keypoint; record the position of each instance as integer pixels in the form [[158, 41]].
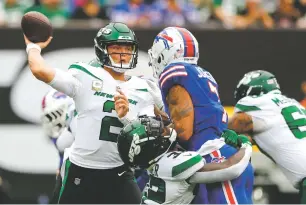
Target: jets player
[[190, 95], [276, 123], [94, 171], [174, 174]]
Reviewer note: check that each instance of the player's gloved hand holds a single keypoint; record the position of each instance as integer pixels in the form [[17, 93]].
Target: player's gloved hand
[[155, 93], [230, 138], [235, 140], [244, 141]]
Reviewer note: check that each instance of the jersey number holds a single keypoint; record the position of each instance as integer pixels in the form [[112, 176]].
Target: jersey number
[[296, 120], [109, 121], [214, 89], [156, 190]]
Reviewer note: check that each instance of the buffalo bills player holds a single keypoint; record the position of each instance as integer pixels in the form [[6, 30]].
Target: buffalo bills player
[[190, 95], [59, 123], [57, 117]]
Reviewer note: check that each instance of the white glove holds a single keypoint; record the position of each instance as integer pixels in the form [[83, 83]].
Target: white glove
[[156, 94]]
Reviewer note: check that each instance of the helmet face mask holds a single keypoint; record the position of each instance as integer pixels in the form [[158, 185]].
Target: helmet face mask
[[141, 143], [255, 83], [55, 107], [116, 34]]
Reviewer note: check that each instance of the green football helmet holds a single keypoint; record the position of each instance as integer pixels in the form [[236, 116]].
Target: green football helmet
[[119, 34], [255, 83], [141, 144]]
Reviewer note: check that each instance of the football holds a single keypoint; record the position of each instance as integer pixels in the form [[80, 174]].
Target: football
[[36, 27]]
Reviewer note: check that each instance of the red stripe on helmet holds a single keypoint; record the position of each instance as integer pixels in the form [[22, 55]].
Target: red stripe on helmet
[[189, 50]]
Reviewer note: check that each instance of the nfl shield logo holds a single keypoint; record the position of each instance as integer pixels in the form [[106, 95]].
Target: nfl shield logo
[[77, 181]]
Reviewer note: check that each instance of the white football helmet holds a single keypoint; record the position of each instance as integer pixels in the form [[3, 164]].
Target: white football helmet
[[171, 45], [55, 107]]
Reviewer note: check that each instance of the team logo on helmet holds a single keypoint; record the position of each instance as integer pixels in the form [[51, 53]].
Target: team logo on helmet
[[59, 95], [105, 31], [134, 149], [164, 38]]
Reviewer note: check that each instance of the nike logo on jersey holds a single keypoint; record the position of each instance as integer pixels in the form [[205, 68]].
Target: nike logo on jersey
[[120, 174]]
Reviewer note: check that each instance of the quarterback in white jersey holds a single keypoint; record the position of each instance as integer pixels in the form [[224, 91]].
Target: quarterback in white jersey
[[96, 109], [174, 174], [94, 168], [276, 123]]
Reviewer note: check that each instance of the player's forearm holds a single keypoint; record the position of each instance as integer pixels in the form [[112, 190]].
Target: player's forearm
[[181, 111], [184, 131], [159, 112], [38, 66], [228, 170], [241, 123]]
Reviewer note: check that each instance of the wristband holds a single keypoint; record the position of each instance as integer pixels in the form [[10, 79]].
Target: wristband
[[125, 120], [32, 45]]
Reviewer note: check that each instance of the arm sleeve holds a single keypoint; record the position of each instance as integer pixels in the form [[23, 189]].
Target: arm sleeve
[[147, 106], [66, 82], [224, 174], [156, 94], [257, 109]]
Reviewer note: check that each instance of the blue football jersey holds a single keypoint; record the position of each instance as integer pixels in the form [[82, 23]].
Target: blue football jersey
[[210, 118]]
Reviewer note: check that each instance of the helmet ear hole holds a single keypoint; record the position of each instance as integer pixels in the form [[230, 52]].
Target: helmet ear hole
[[159, 59]]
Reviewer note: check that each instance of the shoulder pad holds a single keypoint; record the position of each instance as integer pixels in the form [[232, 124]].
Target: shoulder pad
[[94, 63], [141, 84], [249, 103], [77, 64], [172, 75], [173, 68], [85, 68], [178, 166]]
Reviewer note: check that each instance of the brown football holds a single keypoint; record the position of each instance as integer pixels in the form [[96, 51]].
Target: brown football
[[36, 26]]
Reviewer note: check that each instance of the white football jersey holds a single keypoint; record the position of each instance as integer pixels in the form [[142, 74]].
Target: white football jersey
[[168, 178], [70, 116], [95, 144], [279, 125]]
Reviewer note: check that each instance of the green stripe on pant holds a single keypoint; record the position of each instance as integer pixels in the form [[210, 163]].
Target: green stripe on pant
[[67, 165]]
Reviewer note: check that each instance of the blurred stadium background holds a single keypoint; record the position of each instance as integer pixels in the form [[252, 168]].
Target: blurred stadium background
[[235, 36]]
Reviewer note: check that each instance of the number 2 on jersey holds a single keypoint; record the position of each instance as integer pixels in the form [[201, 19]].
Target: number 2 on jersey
[[109, 121], [296, 120]]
